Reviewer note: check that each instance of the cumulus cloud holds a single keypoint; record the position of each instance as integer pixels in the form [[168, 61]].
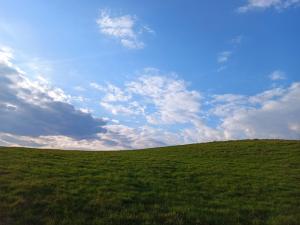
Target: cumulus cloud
[[34, 108], [124, 28], [271, 114], [35, 114], [264, 4], [167, 100], [159, 109], [170, 97], [162, 99]]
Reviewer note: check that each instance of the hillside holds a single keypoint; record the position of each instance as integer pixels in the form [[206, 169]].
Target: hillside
[[236, 182]]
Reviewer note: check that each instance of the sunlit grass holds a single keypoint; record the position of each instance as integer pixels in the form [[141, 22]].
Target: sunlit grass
[[240, 182]]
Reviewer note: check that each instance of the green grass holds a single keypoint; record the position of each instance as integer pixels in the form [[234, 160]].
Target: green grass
[[238, 182]]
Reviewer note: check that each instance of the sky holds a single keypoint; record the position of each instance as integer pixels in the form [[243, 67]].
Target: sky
[[112, 75]]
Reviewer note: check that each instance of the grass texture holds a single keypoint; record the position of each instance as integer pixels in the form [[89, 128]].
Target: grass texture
[[221, 183]]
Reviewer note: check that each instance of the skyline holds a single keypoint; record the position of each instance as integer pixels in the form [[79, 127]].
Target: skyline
[[115, 75]]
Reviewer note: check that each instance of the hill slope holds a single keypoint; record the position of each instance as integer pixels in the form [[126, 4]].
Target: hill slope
[[240, 182]]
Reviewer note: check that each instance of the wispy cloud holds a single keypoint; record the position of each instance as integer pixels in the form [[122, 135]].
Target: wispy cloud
[[170, 97], [277, 75], [237, 40], [112, 93], [125, 29], [222, 60], [265, 4], [163, 99], [224, 56], [79, 88]]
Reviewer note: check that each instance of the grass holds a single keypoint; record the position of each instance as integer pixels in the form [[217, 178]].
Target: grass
[[236, 182]]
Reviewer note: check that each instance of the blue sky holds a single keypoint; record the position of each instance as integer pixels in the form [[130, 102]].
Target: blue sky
[[150, 73]]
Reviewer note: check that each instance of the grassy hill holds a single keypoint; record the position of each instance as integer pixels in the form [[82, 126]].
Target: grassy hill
[[237, 182]]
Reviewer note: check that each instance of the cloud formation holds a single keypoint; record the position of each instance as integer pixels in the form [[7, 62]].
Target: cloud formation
[[117, 137], [265, 4], [158, 109], [277, 75], [270, 114], [224, 56], [163, 99], [170, 98], [167, 100], [33, 108], [124, 28]]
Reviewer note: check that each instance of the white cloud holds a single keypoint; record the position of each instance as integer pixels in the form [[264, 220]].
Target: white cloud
[[277, 75], [141, 137], [97, 86], [57, 142], [172, 101], [161, 99], [132, 108], [6, 55], [224, 56], [117, 101], [148, 29], [132, 43], [117, 137], [271, 114], [112, 92], [38, 90], [200, 132], [167, 100], [161, 110], [34, 107], [268, 95], [115, 94], [123, 28], [264, 4]]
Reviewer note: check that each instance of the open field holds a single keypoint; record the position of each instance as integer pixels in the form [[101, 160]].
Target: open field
[[238, 182]]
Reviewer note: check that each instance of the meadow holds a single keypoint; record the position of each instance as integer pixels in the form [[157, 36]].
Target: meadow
[[218, 183]]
